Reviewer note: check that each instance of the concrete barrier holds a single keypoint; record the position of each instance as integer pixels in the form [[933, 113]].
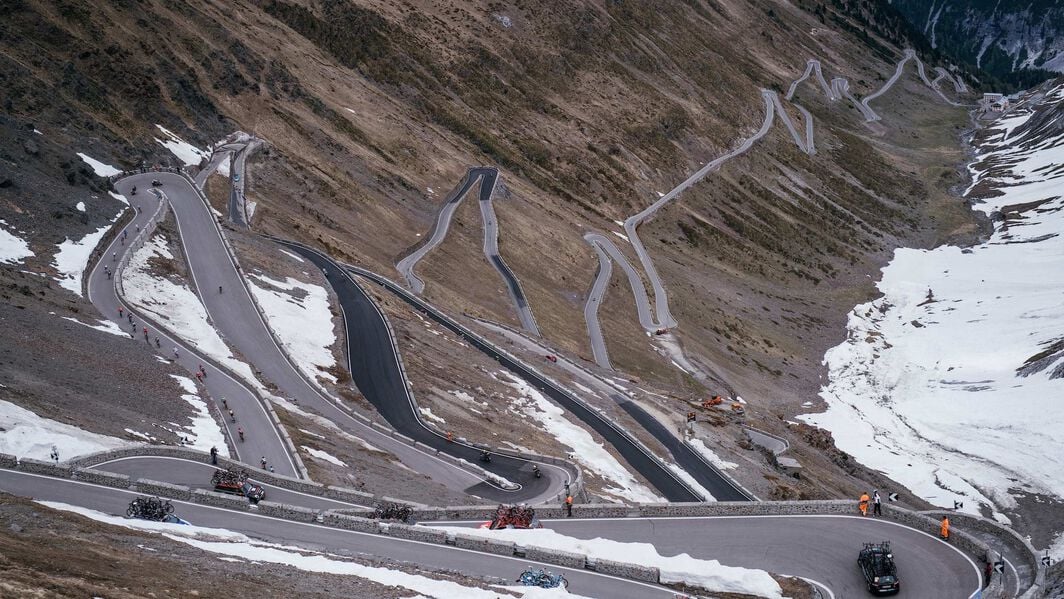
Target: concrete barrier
[[497, 547], [556, 557], [230, 502], [99, 477], [632, 571], [42, 467], [161, 489], [8, 461], [347, 522]]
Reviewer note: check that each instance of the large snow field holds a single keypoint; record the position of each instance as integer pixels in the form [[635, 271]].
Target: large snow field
[[707, 574], [177, 308], [73, 255], [232, 544], [27, 435], [585, 449], [299, 314], [955, 396]]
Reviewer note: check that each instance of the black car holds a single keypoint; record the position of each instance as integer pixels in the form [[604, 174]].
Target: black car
[[877, 565]]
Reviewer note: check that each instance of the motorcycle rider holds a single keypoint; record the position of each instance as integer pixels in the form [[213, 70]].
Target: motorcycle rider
[[485, 456], [535, 470]]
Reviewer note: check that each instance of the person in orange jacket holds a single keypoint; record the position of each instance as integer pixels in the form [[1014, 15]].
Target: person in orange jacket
[[863, 503], [944, 528], [568, 506]]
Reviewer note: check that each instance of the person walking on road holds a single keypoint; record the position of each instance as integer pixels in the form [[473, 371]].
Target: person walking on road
[[877, 503], [262, 461], [121, 311], [232, 416], [214, 455], [175, 353], [863, 503], [943, 529], [568, 506]]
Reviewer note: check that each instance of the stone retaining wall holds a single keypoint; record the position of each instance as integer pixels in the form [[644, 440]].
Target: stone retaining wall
[[161, 489], [632, 571], [346, 522], [41, 467], [416, 533], [99, 477], [1004, 534], [559, 558], [222, 500], [287, 512]]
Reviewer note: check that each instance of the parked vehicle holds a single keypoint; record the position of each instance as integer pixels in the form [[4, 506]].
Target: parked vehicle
[[236, 482], [538, 577], [877, 565]]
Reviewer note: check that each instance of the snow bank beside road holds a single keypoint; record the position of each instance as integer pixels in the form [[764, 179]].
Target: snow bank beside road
[[185, 152], [73, 258], [101, 169], [682, 568], [299, 313], [27, 435], [951, 383], [591, 454]]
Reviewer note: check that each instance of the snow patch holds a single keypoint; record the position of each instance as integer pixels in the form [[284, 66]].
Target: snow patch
[[585, 449], [106, 326], [13, 249], [324, 456], [710, 456], [427, 413], [185, 152], [101, 169], [73, 257], [204, 432], [303, 325], [26, 435]]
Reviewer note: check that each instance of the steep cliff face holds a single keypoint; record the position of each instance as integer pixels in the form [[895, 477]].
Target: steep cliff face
[[1004, 38]]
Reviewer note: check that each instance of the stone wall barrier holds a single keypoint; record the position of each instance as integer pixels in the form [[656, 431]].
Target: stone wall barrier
[[222, 500], [8, 461], [161, 489], [1003, 534], [486, 545], [553, 556], [99, 477], [47, 468], [347, 522], [633, 571], [417, 533], [348, 495], [588, 510], [287, 512], [469, 512]]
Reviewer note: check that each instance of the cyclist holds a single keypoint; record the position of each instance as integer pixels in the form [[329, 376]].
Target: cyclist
[[219, 289], [225, 404], [263, 462], [240, 432], [232, 416]]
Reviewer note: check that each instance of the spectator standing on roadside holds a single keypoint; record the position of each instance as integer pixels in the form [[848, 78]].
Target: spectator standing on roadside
[[568, 506], [55, 455], [214, 455], [877, 503]]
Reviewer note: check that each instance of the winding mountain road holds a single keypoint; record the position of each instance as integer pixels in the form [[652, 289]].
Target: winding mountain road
[[488, 178], [605, 247]]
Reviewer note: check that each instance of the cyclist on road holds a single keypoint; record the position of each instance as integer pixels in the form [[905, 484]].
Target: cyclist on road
[[219, 289], [157, 343], [240, 432], [263, 462], [232, 416], [175, 353], [225, 404]]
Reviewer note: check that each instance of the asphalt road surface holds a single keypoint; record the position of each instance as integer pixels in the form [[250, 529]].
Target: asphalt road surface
[[660, 477], [488, 177], [376, 372], [262, 438], [321, 538], [236, 317]]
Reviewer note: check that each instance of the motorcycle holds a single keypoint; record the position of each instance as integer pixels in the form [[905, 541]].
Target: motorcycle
[[535, 471]]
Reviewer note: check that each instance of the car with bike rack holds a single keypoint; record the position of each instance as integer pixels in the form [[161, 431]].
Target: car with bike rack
[[876, 561]]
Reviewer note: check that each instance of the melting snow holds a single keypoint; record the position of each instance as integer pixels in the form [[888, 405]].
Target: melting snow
[[933, 390], [106, 326], [585, 449], [101, 169], [204, 431], [710, 456], [303, 324], [322, 455], [185, 152], [27, 435], [73, 257], [13, 249]]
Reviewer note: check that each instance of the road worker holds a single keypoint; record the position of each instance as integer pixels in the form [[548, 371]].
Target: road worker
[[568, 506], [863, 503], [944, 528]]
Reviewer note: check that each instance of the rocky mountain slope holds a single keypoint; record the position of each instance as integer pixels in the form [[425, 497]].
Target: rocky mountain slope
[[590, 109], [1018, 43]]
